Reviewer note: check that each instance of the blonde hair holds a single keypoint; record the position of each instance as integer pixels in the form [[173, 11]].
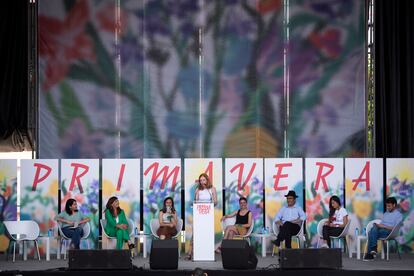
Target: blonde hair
[[209, 185]]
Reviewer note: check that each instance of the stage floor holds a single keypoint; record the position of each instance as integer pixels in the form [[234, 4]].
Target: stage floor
[[268, 263]]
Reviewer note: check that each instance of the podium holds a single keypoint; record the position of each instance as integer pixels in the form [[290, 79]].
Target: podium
[[203, 231]]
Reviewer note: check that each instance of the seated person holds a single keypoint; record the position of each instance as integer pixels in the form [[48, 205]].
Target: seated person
[[391, 218], [289, 220], [338, 218], [71, 222], [117, 223], [168, 220], [243, 220], [242, 224]]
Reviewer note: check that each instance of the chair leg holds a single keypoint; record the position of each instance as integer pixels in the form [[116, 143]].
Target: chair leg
[[398, 251], [37, 248], [388, 250], [14, 252]]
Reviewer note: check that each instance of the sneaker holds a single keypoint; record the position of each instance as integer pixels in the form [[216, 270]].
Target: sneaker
[[374, 253], [368, 257], [324, 246]]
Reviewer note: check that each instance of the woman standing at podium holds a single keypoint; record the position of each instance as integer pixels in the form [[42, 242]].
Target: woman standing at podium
[[117, 223], [205, 191]]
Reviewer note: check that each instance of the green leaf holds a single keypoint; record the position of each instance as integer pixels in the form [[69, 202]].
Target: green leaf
[[71, 107], [55, 112]]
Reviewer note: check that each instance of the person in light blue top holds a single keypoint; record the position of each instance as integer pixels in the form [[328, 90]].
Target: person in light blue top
[[71, 222], [391, 218], [289, 220]]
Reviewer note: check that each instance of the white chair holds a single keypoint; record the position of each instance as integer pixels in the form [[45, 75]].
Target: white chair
[[341, 236], [395, 232], [131, 227], [21, 231], [65, 241], [231, 221], [300, 236]]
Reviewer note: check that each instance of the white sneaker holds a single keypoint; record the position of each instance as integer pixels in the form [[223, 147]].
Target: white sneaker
[[324, 246]]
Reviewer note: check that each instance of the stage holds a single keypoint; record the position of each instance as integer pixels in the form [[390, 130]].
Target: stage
[[266, 266]]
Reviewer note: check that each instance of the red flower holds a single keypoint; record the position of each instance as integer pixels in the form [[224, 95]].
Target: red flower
[[63, 42], [313, 207], [328, 42], [106, 17], [265, 6]]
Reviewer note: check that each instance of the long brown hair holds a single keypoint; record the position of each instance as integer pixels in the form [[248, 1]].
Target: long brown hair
[[110, 208], [209, 185]]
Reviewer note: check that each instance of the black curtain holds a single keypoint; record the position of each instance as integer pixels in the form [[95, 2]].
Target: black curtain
[[394, 77], [13, 60]]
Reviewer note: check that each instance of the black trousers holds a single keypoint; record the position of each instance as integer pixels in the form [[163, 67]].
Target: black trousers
[[286, 231], [328, 231]]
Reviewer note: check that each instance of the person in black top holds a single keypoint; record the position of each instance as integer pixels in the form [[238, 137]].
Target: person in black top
[[243, 221]]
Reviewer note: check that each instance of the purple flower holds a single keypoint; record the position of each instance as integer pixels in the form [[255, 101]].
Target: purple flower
[[313, 145], [323, 114], [130, 50], [78, 142]]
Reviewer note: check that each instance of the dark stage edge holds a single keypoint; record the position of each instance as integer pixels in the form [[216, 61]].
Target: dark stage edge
[[281, 272]]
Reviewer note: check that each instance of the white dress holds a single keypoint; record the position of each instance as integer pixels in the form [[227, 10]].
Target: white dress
[[205, 195]]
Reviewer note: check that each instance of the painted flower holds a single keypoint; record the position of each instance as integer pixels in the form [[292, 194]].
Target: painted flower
[[78, 141], [313, 207], [327, 41], [63, 42], [106, 17], [266, 6]]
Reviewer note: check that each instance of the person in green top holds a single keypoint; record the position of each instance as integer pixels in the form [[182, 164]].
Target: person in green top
[[71, 222], [116, 223]]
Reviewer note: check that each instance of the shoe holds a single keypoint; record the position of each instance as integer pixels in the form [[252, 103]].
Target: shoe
[[131, 246], [276, 242], [324, 246], [374, 254], [189, 257], [368, 257]]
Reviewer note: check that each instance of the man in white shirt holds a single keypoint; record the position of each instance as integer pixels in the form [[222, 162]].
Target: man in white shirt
[[289, 220]]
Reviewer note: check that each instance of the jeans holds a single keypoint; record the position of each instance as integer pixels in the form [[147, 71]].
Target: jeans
[[75, 234], [374, 234]]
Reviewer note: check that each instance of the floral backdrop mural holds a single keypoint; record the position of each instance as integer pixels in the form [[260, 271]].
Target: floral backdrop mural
[[185, 78], [324, 177], [39, 188], [400, 184], [8, 197], [121, 178], [364, 194], [193, 167], [85, 191], [244, 178], [162, 179], [281, 176]]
